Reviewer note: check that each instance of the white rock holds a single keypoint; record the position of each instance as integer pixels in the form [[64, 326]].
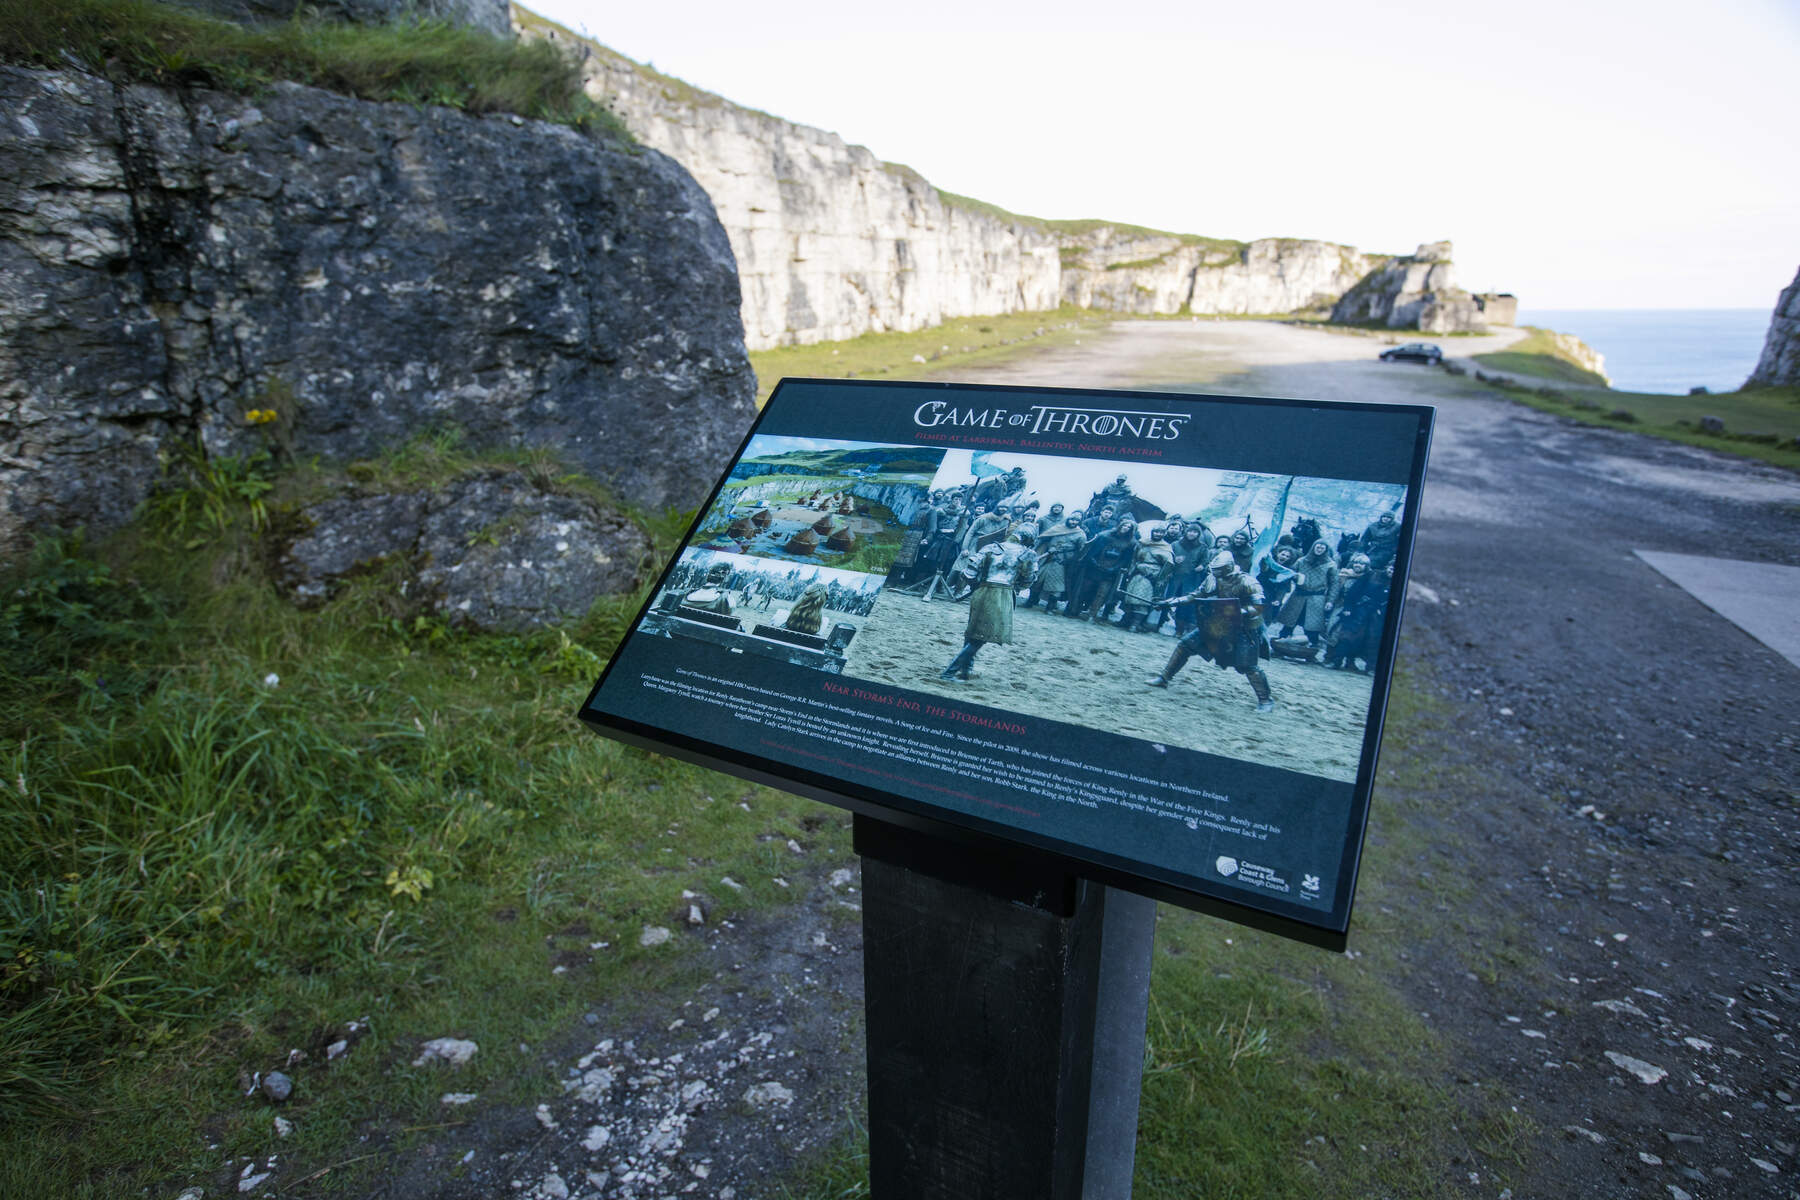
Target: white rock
[[795, 846], [336, 1049], [767, 1095], [544, 1118], [1676, 1193], [778, 881], [454, 1051], [1698, 1043], [1583, 1131], [271, 680], [283, 1127], [1649, 1160], [654, 935], [248, 1182], [456, 1098], [731, 883], [596, 1138], [193, 1193], [841, 877], [552, 1187], [1645, 1072], [918, 358], [709, 1014], [695, 916], [1765, 1165], [1621, 1006]]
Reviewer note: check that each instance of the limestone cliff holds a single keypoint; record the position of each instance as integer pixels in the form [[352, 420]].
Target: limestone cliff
[[1417, 291], [1779, 365], [831, 242], [173, 260]]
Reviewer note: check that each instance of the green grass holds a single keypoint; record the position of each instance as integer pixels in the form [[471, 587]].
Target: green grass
[[1538, 356], [228, 827], [418, 63], [971, 340], [1276, 1070], [1760, 423]]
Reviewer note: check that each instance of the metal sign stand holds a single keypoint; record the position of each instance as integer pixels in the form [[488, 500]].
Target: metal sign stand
[[1006, 1002]]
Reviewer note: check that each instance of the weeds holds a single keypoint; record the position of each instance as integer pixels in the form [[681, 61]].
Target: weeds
[[417, 63]]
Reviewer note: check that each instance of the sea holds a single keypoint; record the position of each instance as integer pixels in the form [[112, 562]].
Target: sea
[[1668, 350]]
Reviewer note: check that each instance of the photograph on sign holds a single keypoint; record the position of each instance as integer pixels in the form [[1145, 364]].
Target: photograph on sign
[[835, 503], [1150, 542], [1148, 633]]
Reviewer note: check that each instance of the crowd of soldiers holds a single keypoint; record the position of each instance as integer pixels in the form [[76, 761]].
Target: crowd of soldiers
[[1101, 564], [762, 590]]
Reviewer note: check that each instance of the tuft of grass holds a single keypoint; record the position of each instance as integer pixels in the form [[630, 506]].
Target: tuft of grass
[[1760, 423], [413, 62], [1537, 355], [227, 826]]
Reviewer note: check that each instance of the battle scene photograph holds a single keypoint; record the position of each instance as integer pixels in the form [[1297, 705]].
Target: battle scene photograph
[[796, 613], [1234, 613], [845, 505]]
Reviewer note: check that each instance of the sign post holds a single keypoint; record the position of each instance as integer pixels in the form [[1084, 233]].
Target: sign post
[[1006, 1002], [1026, 787]]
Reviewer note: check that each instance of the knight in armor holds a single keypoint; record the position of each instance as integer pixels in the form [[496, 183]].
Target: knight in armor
[[1315, 593], [1057, 550], [1380, 540], [1230, 632], [1001, 568], [1150, 570], [988, 526], [1053, 519]]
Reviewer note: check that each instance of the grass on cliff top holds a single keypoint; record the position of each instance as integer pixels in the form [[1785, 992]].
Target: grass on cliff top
[[957, 343], [418, 63], [1760, 423], [1537, 354], [228, 827]]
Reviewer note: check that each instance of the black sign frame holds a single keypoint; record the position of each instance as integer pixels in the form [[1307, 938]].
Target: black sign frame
[[1265, 436]]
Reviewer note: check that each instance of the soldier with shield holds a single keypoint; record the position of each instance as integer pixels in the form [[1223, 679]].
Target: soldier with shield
[[1230, 632]]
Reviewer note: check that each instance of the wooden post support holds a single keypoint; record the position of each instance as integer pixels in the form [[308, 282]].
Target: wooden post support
[[1006, 1002]]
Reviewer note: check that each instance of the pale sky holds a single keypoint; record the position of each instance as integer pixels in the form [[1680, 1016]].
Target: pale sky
[[1580, 154]]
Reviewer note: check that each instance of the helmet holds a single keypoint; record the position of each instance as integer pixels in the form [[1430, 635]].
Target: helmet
[[1223, 562]]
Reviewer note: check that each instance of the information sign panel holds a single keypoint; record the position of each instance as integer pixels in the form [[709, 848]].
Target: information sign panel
[[1149, 634]]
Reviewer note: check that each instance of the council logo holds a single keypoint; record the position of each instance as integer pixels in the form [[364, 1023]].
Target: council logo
[[1226, 865]]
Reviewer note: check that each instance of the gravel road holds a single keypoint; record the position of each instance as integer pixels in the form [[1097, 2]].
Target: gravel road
[[1633, 841]]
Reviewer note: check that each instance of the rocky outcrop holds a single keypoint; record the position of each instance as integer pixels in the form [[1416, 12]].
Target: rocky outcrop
[[1136, 271], [1779, 365], [1417, 291], [489, 15], [174, 261], [904, 500], [1572, 349], [831, 242], [492, 551]]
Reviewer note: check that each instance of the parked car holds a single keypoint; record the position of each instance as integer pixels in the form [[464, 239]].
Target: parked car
[[1423, 352]]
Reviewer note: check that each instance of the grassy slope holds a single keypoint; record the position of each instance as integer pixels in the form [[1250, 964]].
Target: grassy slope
[[1536, 355], [201, 867], [424, 63]]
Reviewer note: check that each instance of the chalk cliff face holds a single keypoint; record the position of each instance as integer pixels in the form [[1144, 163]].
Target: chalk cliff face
[[831, 242], [1779, 365], [171, 262], [1414, 292], [1131, 271]]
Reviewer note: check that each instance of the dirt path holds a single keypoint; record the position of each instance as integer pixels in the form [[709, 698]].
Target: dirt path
[[1630, 852]]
